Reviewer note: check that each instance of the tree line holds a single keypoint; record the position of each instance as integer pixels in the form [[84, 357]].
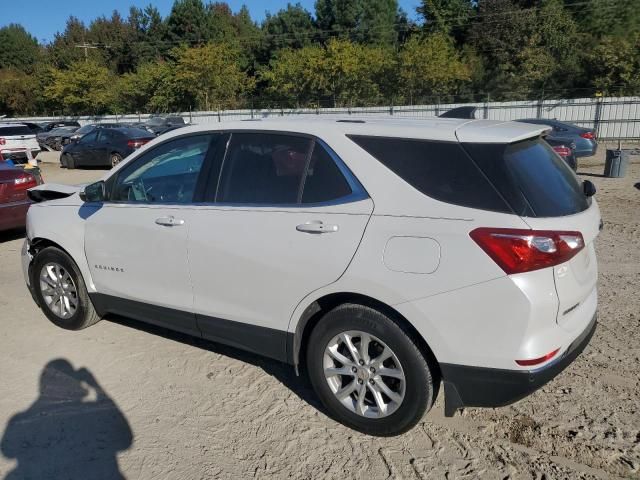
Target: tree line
[[204, 56]]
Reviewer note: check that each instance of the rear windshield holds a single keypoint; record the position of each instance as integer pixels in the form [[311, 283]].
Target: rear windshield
[[531, 177], [19, 130], [440, 170]]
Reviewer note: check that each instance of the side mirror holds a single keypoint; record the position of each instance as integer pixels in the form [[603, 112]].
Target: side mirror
[[588, 188], [95, 192]]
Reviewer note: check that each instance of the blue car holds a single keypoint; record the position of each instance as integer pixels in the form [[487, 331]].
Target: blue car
[[584, 138]]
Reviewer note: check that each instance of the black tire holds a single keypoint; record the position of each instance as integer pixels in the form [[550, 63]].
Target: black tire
[[420, 390], [115, 158], [71, 163], [85, 315]]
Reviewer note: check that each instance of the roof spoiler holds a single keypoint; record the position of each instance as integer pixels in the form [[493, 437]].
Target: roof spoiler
[[467, 113]]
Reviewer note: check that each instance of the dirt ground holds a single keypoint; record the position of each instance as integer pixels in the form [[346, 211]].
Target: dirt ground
[[124, 399]]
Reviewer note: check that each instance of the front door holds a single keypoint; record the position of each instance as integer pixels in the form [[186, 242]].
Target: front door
[[136, 243], [286, 219]]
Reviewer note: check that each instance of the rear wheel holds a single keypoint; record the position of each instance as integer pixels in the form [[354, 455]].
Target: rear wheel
[[369, 374], [61, 291], [116, 158]]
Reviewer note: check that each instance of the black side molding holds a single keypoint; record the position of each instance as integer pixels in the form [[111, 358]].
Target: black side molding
[[264, 341], [466, 386]]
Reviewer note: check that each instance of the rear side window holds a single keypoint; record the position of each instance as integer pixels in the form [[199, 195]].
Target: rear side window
[[531, 177], [19, 130], [279, 169], [441, 170]]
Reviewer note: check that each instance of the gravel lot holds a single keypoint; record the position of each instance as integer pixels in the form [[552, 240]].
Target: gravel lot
[[126, 399]]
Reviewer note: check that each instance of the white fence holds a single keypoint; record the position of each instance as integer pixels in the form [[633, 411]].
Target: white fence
[[613, 118]]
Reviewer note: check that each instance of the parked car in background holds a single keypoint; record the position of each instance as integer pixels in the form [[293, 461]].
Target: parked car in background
[[86, 129], [169, 129], [105, 147], [159, 125], [584, 138], [33, 126], [15, 138], [47, 126], [566, 148], [350, 249], [52, 139], [14, 203]]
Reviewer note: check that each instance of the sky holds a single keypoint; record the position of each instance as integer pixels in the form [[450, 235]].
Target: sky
[[43, 18]]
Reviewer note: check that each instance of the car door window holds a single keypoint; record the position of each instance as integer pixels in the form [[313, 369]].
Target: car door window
[[89, 138], [264, 168], [104, 136], [324, 181], [166, 174]]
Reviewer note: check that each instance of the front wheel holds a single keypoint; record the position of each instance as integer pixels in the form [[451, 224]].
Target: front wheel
[[60, 290], [368, 372]]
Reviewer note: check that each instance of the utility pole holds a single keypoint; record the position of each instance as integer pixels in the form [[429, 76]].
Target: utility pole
[[87, 46]]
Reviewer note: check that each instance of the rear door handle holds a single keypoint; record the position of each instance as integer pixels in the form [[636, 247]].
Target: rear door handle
[[169, 221], [316, 227]]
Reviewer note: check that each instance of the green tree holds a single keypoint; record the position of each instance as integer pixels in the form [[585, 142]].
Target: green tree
[[451, 17], [148, 32], [292, 27], [209, 77], [85, 88], [18, 48], [150, 89], [188, 22], [64, 50], [376, 25], [614, 66], [18, 92], [431, 66]]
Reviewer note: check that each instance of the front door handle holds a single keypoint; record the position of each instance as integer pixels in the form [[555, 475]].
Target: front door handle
[[316, 227], [169, 221]]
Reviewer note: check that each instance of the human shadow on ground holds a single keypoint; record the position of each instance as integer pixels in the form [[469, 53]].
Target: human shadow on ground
[[74, 430]]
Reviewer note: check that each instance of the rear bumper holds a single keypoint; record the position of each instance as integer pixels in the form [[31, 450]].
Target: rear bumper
[[467, 386]]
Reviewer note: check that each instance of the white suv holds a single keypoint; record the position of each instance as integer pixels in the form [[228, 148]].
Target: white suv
[[16, 139], [384, 256]]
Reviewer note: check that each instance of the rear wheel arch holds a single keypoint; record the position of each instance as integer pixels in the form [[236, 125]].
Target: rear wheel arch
[[313, 314]]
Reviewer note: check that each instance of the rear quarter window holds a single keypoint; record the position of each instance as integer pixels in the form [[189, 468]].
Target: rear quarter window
[[440, 170], [533, 179]]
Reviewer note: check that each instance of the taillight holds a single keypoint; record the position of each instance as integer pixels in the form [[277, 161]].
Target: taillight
[[536, 361], [138, 142], [588, 135], [3, 141], [562, 150], [519, 251], [25, 181]]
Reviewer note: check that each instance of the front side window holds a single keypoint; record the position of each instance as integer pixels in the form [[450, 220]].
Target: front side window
[[279, 169], [89, 137], [165, 174]]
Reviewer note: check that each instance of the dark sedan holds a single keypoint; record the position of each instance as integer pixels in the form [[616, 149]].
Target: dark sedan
[[566, 148], [14, 183], [82, 131], [104, 147], [584, 138]]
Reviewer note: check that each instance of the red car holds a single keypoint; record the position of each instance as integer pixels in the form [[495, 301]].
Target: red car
[[14, 203]]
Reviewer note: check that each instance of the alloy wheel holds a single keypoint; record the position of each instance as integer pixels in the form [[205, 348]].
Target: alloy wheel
[[364, 374], [58, 290]]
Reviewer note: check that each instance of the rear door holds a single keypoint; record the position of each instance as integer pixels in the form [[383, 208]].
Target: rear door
[[284, 217]]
